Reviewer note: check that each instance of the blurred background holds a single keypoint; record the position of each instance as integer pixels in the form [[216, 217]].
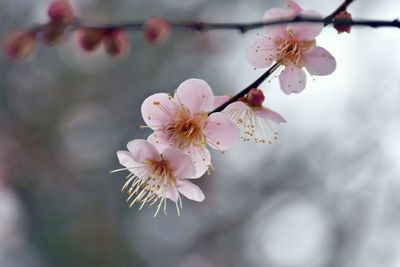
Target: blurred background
[[327, 194]]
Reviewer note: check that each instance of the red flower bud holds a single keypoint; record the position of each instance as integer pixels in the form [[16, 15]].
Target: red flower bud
[[116, 43], [90, 38], [344, 15], [156, 30], [254, 98], [19, 44], [53, 32], [60, 11]]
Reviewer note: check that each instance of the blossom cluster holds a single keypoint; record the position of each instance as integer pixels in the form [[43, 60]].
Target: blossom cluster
[[184, 127], [186, 124]]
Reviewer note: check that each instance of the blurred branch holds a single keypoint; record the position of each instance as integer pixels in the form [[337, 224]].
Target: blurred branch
[[201, 26]]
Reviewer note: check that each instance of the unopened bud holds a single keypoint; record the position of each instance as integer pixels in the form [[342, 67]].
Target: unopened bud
[[344, 15], [53, 32], [254, 98], [60, 11], [116, 43], [19, 44], [156, 30], [90, 38]]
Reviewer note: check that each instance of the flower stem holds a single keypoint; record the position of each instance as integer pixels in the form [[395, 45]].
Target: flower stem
[[242, 93]]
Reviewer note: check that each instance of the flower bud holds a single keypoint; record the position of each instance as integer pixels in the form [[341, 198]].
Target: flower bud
[[116, 43], [60, 11], [90, 38], [52, 33], [156, 30], [344, 15], [254, 98], [19, 44]]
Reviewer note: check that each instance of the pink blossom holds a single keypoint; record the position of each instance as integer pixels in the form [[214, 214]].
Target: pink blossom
[[156, 30], [154, 177], [61, 16], [19, 44], [183, 122], [115, 41], [255, 120], [89, 39], [294, 46], [61, 11]]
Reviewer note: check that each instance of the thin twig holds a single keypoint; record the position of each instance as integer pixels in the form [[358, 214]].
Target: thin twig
[[201, 26], [255, 84], [341, 8]]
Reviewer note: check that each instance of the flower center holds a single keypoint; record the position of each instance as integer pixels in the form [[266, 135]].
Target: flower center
[[291, 50], [160, 173], [186, 130]]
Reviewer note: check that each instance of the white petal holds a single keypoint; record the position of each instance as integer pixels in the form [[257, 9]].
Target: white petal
[[142, 150], [196, 95], [180, 163], [190, 190], [292, 79]]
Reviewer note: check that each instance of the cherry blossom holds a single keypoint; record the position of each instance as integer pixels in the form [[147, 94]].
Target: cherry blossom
[[293, 46], [156, 30], [255, 120], [61, 16], [115, 41], [154, 177], [19, 44], [182, 121]]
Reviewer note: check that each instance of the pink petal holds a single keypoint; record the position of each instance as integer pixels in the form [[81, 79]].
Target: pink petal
[[180, 163], [201, 159], [219, 100], [126, 160], [196, 95], [171, 193], [157, 110], [277, 31], [308, 31], [238, 105], [221, 132], [262, 53], [142, 150], [270, 115], [293, 6], [318, 61], [159, 140], [190, 190], [292, 79]]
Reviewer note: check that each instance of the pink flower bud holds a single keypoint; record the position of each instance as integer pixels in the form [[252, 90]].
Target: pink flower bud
[[344, 15], [156, 30], [116, 43], [90, 38], [60, 11], [254, 98], [53, 32], [19, 44]]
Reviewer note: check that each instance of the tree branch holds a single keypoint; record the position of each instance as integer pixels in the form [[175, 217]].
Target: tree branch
[[201, 26], [341, 8]]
